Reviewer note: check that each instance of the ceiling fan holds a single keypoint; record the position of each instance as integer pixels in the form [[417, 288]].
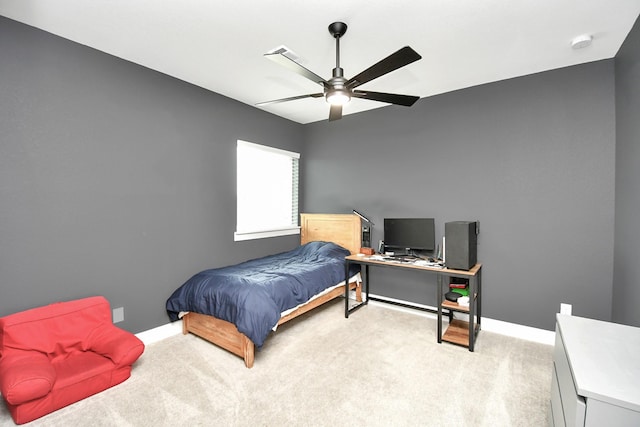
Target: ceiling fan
[[338, 90]]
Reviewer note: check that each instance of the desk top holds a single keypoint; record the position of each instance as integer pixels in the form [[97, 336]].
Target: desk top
[[366, 259]]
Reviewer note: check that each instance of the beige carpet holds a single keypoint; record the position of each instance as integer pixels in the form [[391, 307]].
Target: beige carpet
[[380, 367]]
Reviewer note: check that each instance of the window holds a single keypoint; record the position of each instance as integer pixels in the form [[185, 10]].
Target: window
[[267, 192]]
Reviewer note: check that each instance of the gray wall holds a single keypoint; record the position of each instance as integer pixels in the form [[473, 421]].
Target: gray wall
[[531, 158], [114, 179], [120, 181], [626, 278]]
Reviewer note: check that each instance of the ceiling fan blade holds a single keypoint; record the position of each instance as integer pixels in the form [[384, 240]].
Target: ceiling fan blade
[[391, 98], [296, 68], [293, 98], [335, 113], [402, 57]]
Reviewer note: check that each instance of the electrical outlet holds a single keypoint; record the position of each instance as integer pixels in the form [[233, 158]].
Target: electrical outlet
[[118, 314], [565, 308]]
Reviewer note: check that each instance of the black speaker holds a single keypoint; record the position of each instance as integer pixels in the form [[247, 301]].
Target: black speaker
[[461, 244]]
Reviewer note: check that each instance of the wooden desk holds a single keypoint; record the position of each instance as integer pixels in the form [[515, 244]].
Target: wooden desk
[[459, 331]]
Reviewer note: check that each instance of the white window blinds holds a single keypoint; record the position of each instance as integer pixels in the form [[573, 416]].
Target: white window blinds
[[267, 191]]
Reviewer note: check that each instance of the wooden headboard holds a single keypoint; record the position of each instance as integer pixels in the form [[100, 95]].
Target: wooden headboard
[[342, 229]]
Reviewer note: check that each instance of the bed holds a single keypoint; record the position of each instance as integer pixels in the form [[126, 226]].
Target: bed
[[313, 276]]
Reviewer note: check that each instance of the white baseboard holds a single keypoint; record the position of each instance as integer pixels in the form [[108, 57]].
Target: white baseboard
[[491, 325], [161, 332], [515, 330]]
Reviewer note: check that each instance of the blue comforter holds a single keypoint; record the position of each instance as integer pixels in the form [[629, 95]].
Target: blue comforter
[[252, 294]]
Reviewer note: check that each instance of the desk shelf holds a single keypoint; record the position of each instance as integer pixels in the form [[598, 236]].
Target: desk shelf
[[459, 331], [450, 305]]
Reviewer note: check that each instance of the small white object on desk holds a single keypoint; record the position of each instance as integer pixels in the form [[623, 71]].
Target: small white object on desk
[[425, 263]]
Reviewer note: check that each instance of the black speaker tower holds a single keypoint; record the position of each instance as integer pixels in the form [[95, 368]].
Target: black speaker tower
[[461, 243]]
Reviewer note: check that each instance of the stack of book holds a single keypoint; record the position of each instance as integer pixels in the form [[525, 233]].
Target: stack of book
[[461, 288]]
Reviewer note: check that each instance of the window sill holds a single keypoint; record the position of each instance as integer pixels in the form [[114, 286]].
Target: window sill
[[252, 235]]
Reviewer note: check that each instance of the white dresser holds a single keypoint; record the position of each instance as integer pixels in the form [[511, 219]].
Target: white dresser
[[596, 376]]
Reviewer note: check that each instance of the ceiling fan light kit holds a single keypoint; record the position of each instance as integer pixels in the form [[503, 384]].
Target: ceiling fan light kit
[[338, 90], [337, 97]]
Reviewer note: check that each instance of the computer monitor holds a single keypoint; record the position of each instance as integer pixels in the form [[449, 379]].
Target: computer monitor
[[409, 234]]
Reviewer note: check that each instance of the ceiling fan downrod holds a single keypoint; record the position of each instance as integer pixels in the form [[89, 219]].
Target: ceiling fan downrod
[[337, 94], [337, 30]]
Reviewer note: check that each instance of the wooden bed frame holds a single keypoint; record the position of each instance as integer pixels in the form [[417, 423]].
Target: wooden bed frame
[[343, 229]]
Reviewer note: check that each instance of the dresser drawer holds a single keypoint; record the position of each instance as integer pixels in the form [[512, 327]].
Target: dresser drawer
[[556, 418], [573, 405]]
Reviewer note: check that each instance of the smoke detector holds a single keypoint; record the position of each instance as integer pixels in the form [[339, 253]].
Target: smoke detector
[[581, 41]]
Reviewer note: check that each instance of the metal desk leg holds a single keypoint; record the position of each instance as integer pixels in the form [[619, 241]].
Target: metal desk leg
[[439, 296], [346, 289], [366, 282], [479, 291], [472, 304]]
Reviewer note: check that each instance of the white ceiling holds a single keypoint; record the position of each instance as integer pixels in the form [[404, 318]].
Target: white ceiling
[[218, 44]]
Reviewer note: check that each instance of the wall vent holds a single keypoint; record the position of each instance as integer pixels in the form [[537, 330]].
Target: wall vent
[[282, 49]]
